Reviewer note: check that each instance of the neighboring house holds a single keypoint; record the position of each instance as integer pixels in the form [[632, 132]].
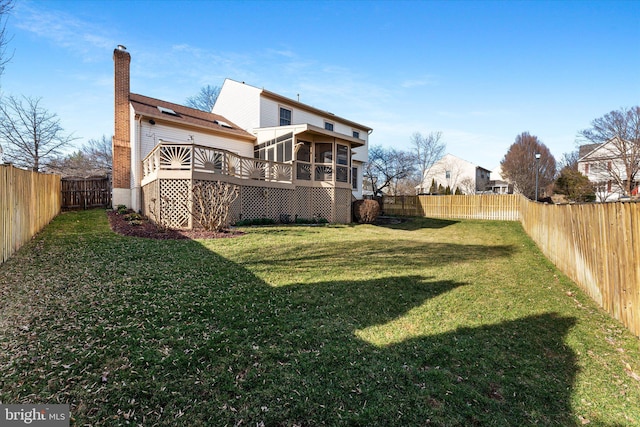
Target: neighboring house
[[455, 173], [603, 165], [287, 159], [498, 184]]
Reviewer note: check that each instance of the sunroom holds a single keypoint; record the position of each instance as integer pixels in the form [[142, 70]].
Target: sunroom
[[320, 157]]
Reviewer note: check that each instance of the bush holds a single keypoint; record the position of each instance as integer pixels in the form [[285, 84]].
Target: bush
[[254, 221], [314, 220], [366, 211]]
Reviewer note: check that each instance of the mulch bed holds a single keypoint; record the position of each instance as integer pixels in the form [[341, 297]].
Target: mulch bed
[[149, 230]]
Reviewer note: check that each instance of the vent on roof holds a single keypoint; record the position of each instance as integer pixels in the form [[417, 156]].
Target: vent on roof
[[223, 124], [167, 111]]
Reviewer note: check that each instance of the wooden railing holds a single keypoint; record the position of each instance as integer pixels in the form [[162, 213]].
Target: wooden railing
[[596, 245], [198, 158], [28, 202]]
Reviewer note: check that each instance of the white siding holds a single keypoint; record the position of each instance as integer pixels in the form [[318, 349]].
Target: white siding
[[361, 154], [240, 103], [461, 173], [151, 134]]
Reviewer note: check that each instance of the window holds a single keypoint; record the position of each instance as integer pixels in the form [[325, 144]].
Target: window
[[342, 155], [586, 169], [354, 178], [285, 116], [356, 134], [324, 152], [328, 126], [303, 156], [165, 110], [281, 146], [448, 174], [304, 151]]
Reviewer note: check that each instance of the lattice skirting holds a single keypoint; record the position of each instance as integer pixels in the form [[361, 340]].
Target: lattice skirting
[[165, 201]]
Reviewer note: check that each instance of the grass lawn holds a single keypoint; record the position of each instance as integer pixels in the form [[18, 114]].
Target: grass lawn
[[430, 322]]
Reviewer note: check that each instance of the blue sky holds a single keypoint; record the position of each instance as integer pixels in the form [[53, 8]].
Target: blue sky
[[479, 72]]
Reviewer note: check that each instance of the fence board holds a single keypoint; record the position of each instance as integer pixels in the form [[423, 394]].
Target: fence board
[[597, 246], [498, 207], [28, 202]]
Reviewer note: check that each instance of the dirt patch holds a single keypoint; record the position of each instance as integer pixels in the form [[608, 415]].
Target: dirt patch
[[147, 229]]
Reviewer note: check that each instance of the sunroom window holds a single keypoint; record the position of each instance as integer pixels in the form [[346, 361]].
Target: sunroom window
[[324, 152], [303, 157]]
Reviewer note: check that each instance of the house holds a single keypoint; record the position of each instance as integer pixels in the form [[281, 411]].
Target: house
[[498, 184], [606, 167], [286, 158], [455, 173]]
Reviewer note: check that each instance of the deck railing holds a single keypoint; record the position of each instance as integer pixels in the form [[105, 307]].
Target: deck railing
[[198, 158]]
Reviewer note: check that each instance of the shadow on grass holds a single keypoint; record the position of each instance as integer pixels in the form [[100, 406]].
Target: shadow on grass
[[186, 336], [414, 223], [383, 254]]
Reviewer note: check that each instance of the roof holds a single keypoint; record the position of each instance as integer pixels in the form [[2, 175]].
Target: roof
[[460, 158], [309, 108], [583, 150], [306, 127], [149, 107]]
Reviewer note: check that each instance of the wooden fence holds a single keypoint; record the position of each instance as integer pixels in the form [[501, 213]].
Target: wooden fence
[[86, 193], [597, 245], [28, 202], [487, 206]]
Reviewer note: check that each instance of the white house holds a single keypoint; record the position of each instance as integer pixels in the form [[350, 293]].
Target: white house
[[455, 173], [286, 158], [604, 166], [498, 184], [315, 136]]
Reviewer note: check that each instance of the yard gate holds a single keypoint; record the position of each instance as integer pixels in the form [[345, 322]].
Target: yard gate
[[86, 193]]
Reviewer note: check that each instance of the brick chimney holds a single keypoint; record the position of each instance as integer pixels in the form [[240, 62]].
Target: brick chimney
[[122, 135]]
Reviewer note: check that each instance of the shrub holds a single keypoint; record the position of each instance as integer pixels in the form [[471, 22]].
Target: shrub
[[255, 221], [133, 217], [314, 220], [365, 211]]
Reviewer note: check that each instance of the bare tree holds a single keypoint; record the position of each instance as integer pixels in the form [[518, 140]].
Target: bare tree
[[386, 168], [569, 160], [6, 6], [466, 186], [205, 99], [519, 164], [618, 158], [211, 204], [93, 159], [427, 150], [99, 152], [208, 203], [31, 135]]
